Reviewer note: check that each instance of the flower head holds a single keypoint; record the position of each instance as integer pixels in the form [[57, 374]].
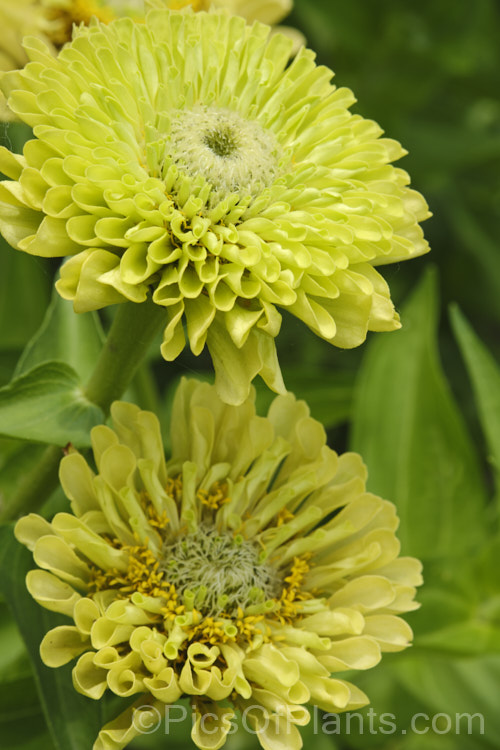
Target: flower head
[[242, 573], [184, 158]]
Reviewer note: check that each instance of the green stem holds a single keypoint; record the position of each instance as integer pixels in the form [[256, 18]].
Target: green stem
[[132, 331], [144, 389]]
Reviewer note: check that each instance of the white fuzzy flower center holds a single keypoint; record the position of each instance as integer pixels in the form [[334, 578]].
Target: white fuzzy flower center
[[229, 152], [223, 571]]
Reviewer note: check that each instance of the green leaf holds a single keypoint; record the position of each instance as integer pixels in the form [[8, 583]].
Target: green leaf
[[24, 294], [484, 373], [464, 638], [464, 689], [409, 431], [73, 720], [47, 405], [64, 336]]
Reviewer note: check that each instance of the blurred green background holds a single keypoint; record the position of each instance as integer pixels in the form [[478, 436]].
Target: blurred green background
[[422, 405]]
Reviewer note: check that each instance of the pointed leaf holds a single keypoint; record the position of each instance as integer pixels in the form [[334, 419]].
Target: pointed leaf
[[484, 373], [464, 689], [412, 436]]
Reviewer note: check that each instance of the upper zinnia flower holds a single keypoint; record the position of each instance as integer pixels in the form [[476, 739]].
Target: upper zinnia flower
[[241, 574], [184, 158]]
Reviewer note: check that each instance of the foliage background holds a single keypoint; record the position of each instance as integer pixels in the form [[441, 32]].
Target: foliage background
[[422, 405]]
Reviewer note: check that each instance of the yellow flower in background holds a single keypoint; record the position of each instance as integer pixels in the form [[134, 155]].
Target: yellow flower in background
[[265, 11], [52, 21], [186, 160], [247, 573]]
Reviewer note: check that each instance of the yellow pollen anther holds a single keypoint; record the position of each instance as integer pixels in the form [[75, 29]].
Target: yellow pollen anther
[[283, 516], [215, 497]]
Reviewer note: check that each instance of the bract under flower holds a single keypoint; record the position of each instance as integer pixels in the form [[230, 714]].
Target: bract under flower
[[185, 159], [247, 573]]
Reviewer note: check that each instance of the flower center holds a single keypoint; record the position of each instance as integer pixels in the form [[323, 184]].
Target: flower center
[[222, 571], [229, 152], [222, 142]]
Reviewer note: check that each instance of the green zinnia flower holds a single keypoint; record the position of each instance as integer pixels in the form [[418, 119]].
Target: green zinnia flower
[[184, 158], [241, 574]]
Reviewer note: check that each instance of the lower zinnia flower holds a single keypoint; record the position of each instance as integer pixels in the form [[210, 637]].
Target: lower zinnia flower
[[242, 573]]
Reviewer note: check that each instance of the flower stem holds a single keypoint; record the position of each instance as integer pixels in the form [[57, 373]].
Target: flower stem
[[132, 331]]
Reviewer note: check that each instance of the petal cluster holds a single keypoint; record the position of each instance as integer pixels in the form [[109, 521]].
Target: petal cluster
[[300, 577], [184, 158]]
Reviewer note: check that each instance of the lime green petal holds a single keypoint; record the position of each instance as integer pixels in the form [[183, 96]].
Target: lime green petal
[[235, 368], [117, 467], [85, 613], [366, 593], [89, 679], [270, 668], [124, 681], [194, 681], [29, 529], [11, 165], [102, 437], [143, 716], [114, 514], [334, 623], [295, 714], [56, 555], [87, 542], [140, 430], [358, 652], [50, 241], [391, 633], [211, 726], [329, 694], [81, 280], [76, 480], [164, 686], [274, 732], [405, 570], [357, 698], [62, 644], [51, 592], [17, 220]]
